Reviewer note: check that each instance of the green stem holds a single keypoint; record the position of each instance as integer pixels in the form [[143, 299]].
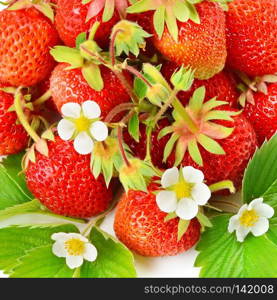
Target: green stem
[[112, 46], [118, 109], [135, 72], [148, 144], [223, 185], [18, 99], [46, 96]]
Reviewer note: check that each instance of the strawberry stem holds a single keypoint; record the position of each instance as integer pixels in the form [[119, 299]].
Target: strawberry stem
[[18, 100], [135, 72], [118, 109], [112, 46], [47, 95]]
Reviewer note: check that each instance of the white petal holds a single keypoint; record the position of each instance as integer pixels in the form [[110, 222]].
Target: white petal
[[193, 175], [242, 209], [170, 177], [90, 252], [260, 227], [99, 131], [58, 249], [166, 201], [254, 203], [242, 233], [77, 236], [201, 193], [187, 209], [264, 210], [71, 110], [59, 236], [83, 143], [74, 261], [66, 129], [91, 109], [233, 224]]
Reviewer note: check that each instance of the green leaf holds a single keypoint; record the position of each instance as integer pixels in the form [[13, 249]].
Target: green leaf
[[113, 260], [13, 189], [221, 255], [81, 38], [133, 127], [260, 178], [68, 55], [17, 241], [92, 75]]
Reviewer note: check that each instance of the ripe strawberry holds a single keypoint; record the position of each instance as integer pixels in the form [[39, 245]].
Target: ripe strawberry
[[262, 114], [71, 18], [70, 86], [63, 182], [139, 224], [200, 46], [26, 37], [251, 36], [13, 137], [158, 145], [222, 85], [239, 148]]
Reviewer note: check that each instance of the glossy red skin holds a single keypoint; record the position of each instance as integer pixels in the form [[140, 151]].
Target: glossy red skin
[[200, 46], [158, 145], [63, 182], [13, 137], [70, 86], [251, 36], [263, 114], [239, 148], [139, 224], [70, 21], [26, 37], [222, 85]]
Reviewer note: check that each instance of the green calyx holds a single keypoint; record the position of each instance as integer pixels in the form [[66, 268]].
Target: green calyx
[[106, 159], [85, 56], [108, 7], [168, 12], [41, 5], [128, 37], [136, 175], [207, 132]]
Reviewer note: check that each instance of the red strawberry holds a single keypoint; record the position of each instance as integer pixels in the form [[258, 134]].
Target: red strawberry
[[71, 18], [222, 85], [251, 36], [70, 86], [26, 37], [139, 224], [63, 182], [263, 113], [239, 148], [200, 46], [13, 137], [158, 145]]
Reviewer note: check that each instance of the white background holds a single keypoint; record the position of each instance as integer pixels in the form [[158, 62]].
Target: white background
[[177, 266]]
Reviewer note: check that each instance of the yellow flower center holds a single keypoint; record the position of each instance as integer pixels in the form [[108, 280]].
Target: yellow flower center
[[75, 247], [182, 189], [249, 218], [82, 124]]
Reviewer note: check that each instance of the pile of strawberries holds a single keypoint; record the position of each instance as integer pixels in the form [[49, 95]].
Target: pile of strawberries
[[177, 83]]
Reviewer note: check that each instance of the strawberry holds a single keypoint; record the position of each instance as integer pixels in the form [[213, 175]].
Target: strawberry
[[13, 137], [262, 114], [251, 36], [63, 182], [222, 85], [70, 86], [71, 20], [26, 37], [157, 149], [239, 148], [140, 225], [198, 40]]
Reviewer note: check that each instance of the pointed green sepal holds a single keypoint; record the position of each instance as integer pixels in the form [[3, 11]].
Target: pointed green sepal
[[183, 226]]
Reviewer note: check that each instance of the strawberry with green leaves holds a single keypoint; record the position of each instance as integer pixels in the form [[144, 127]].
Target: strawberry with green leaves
[[77, 16], [189, 33], [251, 36], [26, 35]]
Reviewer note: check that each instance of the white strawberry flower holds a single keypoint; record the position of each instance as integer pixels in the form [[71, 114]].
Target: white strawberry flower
[[251, 218], [82, 123], [74, 248], [184, 191]]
